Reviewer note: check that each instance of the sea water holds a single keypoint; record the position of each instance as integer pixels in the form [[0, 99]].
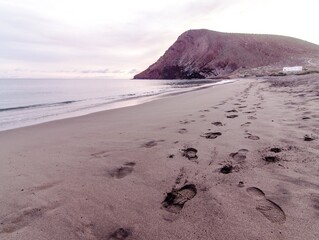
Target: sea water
[[25, 102]]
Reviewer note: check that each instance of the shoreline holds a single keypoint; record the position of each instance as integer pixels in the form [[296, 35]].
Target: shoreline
[[123, 103], [225, 162]]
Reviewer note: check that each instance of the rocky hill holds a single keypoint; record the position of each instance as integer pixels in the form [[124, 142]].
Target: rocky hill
[[210, 54]]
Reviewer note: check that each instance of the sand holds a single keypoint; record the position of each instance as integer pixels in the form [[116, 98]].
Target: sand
[[236, 161]]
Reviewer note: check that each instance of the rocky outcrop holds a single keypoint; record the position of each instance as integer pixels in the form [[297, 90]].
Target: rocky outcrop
[[210, 54]]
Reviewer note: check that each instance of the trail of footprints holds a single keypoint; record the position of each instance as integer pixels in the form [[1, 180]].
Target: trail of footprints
[[230, 115], [176, 199]]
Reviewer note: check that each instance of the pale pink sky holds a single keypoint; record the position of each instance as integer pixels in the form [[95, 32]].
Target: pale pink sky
[[116, 39]]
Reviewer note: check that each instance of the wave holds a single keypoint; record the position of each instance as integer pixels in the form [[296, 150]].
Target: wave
[[38, 105]]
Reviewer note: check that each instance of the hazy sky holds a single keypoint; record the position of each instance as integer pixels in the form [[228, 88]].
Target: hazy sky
[[116, 39]]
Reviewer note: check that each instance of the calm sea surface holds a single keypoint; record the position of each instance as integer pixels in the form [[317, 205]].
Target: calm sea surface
[[25, 102]]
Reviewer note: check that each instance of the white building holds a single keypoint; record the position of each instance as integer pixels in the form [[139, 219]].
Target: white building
[[292, 69]]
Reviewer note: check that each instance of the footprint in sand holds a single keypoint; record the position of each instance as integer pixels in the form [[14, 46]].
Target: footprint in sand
[[226, 169], [100, 154], [222, 103], [232, 116], [241, 184], [130, 164], [252, 118], [186, 121], [268, 208], [218, 124], [21, 219], [181, 176], [232, 111], [315, 201], [182, 130], [211, 135], [190, 153], [306, 118], [240, 155], [151, 144], [308, 138], [43, 187], [253, 137], [271, 159], [246, 124], [120, 234], [249, 112], [175, 200], [275, 150], [123, 171]]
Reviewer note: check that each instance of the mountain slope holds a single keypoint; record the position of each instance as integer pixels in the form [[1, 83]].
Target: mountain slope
[[208, 54]]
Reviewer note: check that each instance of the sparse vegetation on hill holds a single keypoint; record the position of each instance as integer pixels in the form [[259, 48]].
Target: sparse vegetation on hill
[[209, 54]]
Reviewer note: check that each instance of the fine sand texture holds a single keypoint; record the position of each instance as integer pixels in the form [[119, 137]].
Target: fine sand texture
[[236, 161]]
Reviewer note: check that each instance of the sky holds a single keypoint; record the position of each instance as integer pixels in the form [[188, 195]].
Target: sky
[[119, 38]]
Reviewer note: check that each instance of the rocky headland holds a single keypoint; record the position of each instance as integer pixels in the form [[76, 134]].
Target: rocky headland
[[210, 54]]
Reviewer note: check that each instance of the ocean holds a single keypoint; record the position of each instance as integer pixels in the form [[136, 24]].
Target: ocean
[[25, 102]]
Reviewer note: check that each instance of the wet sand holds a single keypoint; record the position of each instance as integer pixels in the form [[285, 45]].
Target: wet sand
[[235, 161]]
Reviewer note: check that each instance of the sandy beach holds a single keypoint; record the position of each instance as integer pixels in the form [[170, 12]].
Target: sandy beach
[[234, 161]]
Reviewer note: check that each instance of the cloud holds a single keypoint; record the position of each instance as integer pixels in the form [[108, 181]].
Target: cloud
[[133, 71], [86, 71], [126, 36]]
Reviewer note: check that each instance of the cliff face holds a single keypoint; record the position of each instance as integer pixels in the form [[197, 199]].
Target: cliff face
[[208, 54]]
